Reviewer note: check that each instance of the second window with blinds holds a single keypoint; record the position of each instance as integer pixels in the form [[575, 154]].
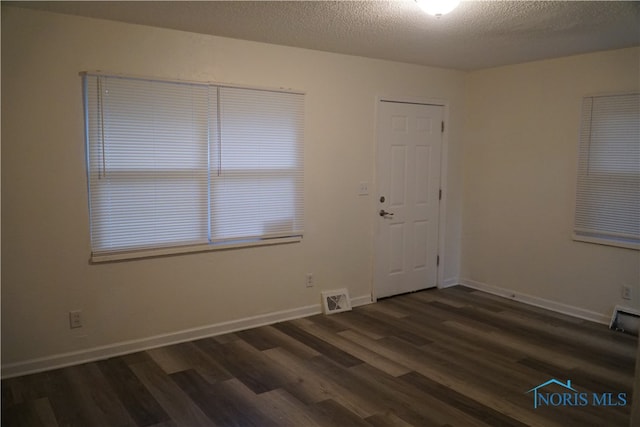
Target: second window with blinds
[[176, 167], [608, 190]]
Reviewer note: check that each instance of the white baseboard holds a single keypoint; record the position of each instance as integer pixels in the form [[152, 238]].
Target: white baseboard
[[98, 353], [362, 300], [32, 366], [447, 283], [558, 307]]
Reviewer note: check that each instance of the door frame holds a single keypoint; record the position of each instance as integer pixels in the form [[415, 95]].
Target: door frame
[[443, 182]]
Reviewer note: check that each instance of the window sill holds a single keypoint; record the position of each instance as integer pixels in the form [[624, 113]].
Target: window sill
[[608, 242], [97, 258]]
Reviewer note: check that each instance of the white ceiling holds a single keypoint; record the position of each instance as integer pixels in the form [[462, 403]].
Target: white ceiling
[[478, 34]]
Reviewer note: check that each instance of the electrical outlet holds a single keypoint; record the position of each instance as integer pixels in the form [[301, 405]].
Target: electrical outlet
[[75, 319], [309, 281], [626, 292]]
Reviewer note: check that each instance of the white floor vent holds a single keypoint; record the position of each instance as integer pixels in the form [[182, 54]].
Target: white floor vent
[[625, 320], [336, 301]]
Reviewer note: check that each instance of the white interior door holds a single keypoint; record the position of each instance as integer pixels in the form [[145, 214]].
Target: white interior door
[[408, 178]]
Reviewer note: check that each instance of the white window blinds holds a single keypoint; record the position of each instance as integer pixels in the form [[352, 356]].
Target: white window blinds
[[176, 164], [608, 191], [257, 184]]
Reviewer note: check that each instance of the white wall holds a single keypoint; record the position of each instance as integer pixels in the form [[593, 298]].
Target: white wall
[[45, 239], [520, 161], [520, 127]]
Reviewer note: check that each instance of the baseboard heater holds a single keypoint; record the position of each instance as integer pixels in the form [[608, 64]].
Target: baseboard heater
[[625, 320]]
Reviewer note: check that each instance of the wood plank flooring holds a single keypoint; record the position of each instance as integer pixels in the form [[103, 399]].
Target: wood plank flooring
[[452, 357]]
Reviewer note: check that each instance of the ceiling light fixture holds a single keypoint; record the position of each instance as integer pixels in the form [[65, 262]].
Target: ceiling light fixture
[[438, 8]]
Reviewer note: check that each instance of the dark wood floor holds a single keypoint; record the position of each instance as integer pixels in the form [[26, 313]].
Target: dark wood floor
[[453, 357]]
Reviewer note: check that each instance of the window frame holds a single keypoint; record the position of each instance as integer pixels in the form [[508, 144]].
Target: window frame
[[144, 251], [601, 236]]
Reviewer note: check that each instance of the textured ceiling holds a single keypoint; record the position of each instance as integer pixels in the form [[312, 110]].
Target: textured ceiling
[[478, 34]]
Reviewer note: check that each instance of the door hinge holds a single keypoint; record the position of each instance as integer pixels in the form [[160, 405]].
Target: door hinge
[[440, 194], [437, 260], [442, 126]]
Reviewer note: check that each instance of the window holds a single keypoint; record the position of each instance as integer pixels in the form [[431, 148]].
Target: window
[[176, 167], [608, 192]]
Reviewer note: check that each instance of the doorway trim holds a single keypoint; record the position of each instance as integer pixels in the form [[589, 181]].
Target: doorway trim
[[444, 155]]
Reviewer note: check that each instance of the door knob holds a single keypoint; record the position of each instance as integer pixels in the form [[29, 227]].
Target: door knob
[[384, 213]]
